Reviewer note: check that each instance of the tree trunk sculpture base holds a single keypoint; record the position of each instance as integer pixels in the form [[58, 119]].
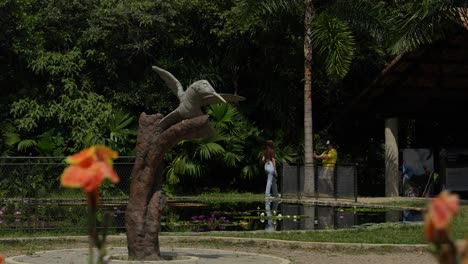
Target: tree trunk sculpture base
[[147, 200]]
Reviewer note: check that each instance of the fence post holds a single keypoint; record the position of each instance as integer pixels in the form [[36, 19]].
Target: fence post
[[315, 181], [355, 182], [335, 181], [298, 177]]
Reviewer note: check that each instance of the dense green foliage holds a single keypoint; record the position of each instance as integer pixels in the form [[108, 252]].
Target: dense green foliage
[[75, 73]]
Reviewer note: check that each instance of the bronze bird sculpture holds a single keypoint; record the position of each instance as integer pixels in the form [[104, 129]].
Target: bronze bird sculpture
[[191, 100]]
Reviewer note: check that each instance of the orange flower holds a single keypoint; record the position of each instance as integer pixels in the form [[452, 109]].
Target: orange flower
[[441, 211], [2, 259], [89, 168]]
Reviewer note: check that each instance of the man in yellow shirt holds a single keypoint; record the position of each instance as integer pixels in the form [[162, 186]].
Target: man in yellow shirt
[[329, 156], [326, 175]]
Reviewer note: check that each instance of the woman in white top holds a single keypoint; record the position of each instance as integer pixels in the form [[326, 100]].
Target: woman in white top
[[270, 169]]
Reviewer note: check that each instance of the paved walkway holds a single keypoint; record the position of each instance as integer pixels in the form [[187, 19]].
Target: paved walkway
[[172, 255], [194, 249]]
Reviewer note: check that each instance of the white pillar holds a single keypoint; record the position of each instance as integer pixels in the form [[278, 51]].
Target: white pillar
[[391, 157]]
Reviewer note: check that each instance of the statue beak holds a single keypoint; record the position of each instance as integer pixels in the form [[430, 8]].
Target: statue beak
[[220, 97]]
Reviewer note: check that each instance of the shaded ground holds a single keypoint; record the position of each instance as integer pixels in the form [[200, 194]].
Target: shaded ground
[[296, 252]]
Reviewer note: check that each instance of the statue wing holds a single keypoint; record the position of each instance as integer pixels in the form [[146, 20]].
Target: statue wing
[[171, 119], [213, 99], [170, 81]]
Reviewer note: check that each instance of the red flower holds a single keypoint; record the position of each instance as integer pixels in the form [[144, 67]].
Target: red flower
[[441, 211], [89, 168]]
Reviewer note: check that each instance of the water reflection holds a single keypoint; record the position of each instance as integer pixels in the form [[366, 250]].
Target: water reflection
[[221, 216], [271, 209], [412, 216], [328, 217]]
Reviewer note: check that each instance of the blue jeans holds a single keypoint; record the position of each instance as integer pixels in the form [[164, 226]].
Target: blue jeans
[[271, 180]]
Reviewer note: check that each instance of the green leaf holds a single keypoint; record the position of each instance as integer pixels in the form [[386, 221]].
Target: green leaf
[[26, 144], [335, 42]]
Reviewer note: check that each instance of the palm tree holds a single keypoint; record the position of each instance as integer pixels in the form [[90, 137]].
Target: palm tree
[[334, 42], [309, 179]]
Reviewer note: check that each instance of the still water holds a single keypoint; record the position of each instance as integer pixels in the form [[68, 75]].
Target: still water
[[273, 215], [201, 216]]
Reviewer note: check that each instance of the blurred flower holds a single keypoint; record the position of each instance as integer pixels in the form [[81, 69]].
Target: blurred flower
[[88, 169], [2, 259], [201, 217], [194, 217], [437, 222], [222, 218], [262, 214], [441, 211]]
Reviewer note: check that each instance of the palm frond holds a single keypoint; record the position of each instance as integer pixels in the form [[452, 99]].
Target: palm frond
[[10, 135], [26, 144], [223, 116], [183, 166], [250, 171], [423, 22], [335, 43], [208, 150], [171, 176], [364, 16], [120, 120], [271, 7], [232, 159]]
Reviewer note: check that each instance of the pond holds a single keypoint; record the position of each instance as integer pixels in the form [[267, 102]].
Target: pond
[[273, 215], [203, 216]]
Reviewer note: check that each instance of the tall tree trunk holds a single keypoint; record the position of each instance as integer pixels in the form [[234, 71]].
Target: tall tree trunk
[[309, 179], [146, 201]]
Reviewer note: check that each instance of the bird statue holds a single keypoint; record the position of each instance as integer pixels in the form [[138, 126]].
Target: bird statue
[[191, 100]]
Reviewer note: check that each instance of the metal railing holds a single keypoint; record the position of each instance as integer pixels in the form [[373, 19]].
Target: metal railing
[[31, 197], [339, 181]]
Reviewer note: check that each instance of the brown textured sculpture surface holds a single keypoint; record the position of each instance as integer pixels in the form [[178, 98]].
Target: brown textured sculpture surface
[[146, 201]]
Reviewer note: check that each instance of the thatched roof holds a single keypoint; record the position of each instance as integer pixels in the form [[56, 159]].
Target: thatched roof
[[433, 80]]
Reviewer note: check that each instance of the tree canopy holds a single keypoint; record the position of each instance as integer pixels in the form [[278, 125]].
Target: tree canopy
[[78, 72]]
